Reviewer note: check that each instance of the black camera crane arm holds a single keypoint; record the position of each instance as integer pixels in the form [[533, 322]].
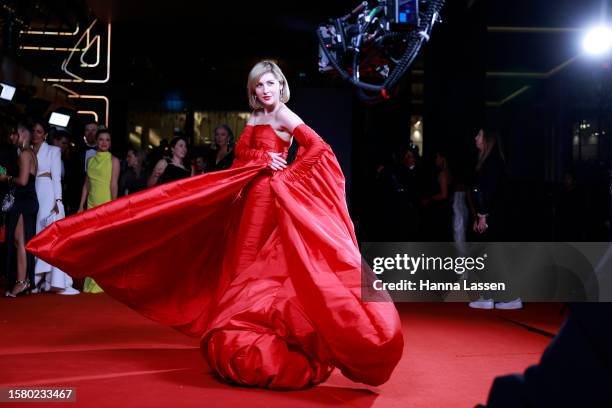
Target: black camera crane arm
[[376, 27]]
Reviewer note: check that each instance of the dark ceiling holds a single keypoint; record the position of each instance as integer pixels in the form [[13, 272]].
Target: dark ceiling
[[189, 45]]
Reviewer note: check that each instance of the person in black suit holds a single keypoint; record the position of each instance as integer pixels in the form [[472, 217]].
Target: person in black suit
[[575, 369], [76, 167]]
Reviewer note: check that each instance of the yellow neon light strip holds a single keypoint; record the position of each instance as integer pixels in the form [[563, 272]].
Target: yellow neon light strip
[[89, 43], [86, 112], [61, 33], [108, 51], [509, 97], [67, 60], [76, 77], [544, 75], [63, 88], [33, 48], [74, 95], [104, 98]]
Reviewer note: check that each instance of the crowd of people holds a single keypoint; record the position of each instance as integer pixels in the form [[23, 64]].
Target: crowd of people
[[417, 203], [421, 203], [459, 198], [47, 174]]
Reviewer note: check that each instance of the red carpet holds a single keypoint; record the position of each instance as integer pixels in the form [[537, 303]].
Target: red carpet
[[114, 357]]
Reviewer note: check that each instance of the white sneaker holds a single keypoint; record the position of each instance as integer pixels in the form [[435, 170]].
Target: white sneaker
[[482, 304], [511, 305], [68, 291]]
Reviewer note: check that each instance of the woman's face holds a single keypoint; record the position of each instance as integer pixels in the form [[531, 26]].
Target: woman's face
[[14, 138], [267, 90], [103, 142], [439, 160], [409, 159], [39, 134], [63, 144], [200, 163], [480, 140], [24, 137], [180, 149], [90, 133], [221, 137], [131, 159]]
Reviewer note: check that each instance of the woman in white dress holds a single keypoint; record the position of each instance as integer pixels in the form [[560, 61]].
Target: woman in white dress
[[50, 208]]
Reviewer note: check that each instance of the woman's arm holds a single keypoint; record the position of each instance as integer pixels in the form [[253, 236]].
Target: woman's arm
[[311, 144], [158, 170], [56, 177], [443, 183], [288, 120], [244, 150], [25, 161], [114, 183], [488, 186]]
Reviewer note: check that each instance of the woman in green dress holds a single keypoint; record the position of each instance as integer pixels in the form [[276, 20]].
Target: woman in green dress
[[101, 185]]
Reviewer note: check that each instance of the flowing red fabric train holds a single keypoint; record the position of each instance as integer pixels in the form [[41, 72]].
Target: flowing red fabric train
[[263, 266]]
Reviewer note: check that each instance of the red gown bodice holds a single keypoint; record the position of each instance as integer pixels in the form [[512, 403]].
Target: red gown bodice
[[262, 265]]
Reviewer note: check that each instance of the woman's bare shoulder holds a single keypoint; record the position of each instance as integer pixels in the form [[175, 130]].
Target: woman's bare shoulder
[[161, 163], [254, 117], [26, 155], [288, 119]]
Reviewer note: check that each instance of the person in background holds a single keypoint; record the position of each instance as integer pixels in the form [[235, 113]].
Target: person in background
[[90, 142], [21, 218], [50, 208], [61, 139], [572, 201], [174, 168], [461, 210], [488, 192], [100, 186], [575, 370], [200, 164], [8, 165], [437, 206], [134, 178], [84, 149], [222, 154], [399, 183]]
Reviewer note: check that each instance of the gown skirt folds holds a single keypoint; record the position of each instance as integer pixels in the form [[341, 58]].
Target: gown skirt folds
[[263, 266]]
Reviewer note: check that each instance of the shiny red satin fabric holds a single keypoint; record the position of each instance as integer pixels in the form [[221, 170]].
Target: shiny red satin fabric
[[263, 266]]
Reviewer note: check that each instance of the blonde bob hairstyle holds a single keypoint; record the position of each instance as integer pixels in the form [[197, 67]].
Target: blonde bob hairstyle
[[261, 68]]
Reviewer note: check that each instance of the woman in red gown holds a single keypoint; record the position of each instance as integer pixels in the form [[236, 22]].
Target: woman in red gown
[[260, 261]]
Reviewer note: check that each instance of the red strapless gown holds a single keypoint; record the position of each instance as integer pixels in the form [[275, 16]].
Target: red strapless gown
[[263, 266]]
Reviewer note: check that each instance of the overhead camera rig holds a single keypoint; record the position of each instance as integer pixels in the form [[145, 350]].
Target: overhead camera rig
[[373, 46]]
